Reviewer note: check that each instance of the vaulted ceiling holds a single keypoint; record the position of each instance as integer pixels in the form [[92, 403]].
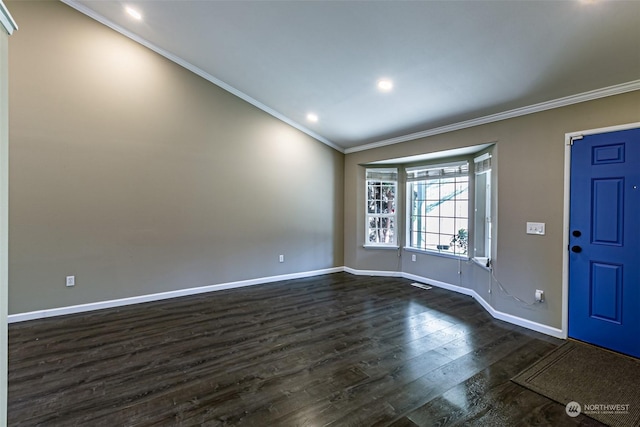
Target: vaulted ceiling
[[452, 63]]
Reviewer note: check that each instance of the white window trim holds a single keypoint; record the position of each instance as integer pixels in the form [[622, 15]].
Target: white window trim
[[407, 213], [488, 231], [367, 244]]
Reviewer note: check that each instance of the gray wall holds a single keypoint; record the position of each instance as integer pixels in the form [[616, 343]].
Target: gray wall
[[530, 187], [137, 176]]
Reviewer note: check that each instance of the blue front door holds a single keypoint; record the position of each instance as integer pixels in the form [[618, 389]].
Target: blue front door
[[604, 241]]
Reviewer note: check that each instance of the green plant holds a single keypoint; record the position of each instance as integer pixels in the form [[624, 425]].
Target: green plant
[[461, 239]]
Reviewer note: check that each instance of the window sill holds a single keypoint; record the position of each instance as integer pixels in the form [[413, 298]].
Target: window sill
[[436, 253], [482, 262], [393, 248]]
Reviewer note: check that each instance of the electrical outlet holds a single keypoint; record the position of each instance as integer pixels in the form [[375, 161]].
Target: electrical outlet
[[281, 258], [539, 295], [535, 228], [71, 281], [413, 257]]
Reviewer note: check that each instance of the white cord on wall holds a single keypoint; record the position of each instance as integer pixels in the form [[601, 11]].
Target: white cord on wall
[[501, 286]]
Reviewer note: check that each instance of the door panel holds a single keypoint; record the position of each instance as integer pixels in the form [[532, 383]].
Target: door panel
[[604, 261], [606, 292], [607, 207]]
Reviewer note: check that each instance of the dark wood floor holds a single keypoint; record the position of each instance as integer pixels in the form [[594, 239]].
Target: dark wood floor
[[331, 350]]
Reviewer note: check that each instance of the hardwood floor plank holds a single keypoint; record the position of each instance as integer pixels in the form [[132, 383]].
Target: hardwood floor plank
[[328, 350], [477, 396], [414, 390]]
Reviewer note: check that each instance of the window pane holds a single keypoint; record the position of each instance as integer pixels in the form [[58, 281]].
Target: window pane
[[448, 208], [445, 243], [413, 223], [462, 184], [389, 236], [373, 222], [447, 190], [439, 208], [431, 208], [462, 223], [447, 226], [431, 224], [413, 238], [381, 206], [432, 190], [432, 240], [460, 241], [463, 195], [482, 222], [462, 208], [383, 222], [389, 185], [373, 191]]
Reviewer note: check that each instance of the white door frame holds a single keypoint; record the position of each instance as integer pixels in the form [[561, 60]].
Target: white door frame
[[7, 26], [568, 141]]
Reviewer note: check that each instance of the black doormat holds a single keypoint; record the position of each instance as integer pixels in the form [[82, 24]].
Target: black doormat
[[596, 382]]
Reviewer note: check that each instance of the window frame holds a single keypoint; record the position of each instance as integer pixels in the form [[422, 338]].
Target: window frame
[[483, 165], [393, 215], [409, 214]]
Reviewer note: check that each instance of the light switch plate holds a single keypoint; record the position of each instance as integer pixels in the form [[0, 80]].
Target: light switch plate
[[535, 228]]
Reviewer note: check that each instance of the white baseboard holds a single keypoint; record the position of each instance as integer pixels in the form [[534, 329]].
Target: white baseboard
[[509, 318], [81, 308], [439, 284], [61, 311], [377, 273]]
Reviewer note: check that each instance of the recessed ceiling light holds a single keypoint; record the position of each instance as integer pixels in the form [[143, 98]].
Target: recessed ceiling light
[[385, 85], [312, 117], [133, 13]]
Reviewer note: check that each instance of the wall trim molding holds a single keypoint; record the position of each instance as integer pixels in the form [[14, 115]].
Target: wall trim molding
[[81, 308], [7, 20], [535, 108], [376, 273]]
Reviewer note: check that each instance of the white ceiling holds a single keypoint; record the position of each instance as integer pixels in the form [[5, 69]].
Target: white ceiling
[[451, 61]]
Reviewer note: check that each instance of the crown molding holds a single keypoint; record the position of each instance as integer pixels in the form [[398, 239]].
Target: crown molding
[[535, 108], [7, 20], [196, 70]]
